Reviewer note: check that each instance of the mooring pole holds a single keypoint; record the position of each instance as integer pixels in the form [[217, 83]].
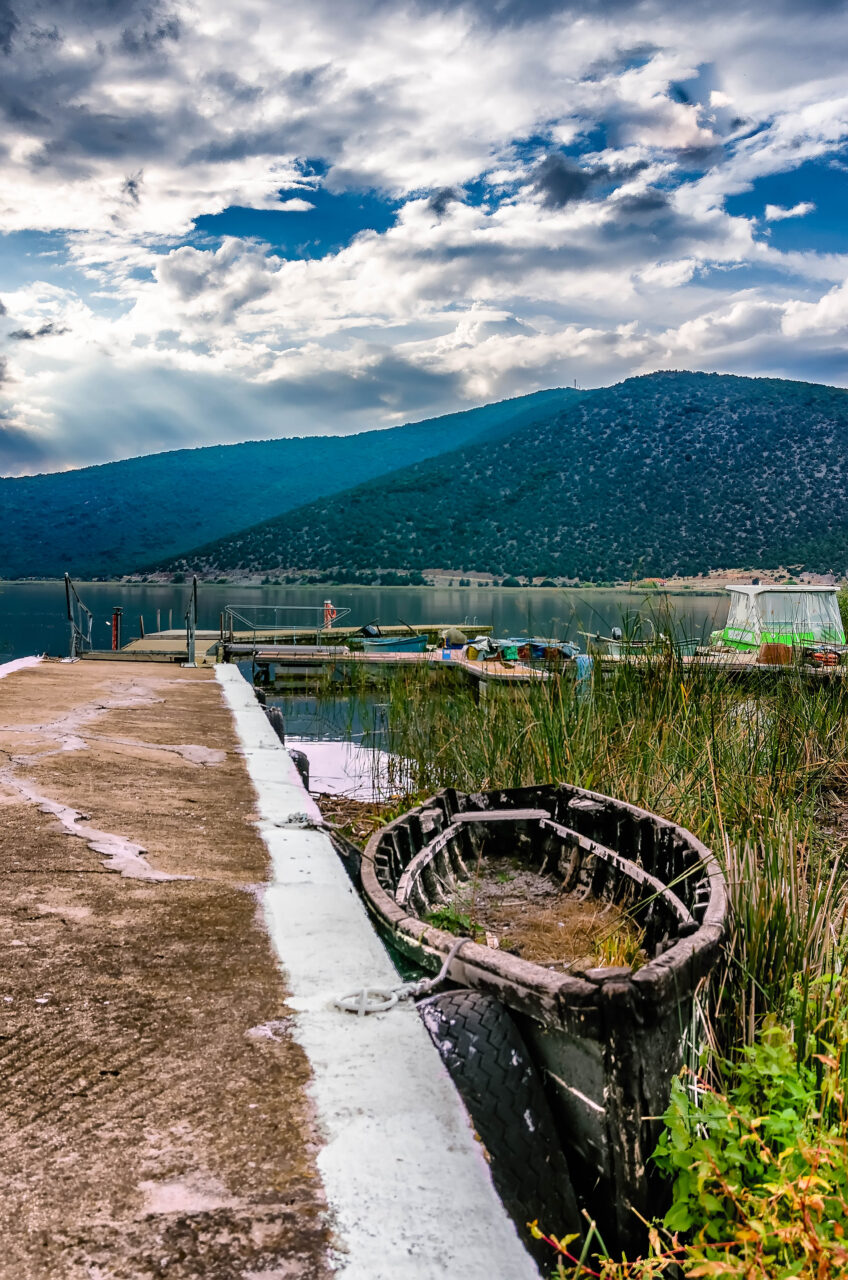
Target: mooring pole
[[72, 653], [191, 624], [116, 626]]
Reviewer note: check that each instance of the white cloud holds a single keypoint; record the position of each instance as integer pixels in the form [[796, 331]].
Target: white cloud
[[131, 126], [777, 213], [827, 316]]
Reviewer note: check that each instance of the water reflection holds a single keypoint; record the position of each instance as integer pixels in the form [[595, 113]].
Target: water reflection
[[33, 619], [345, 740], [351, 769]]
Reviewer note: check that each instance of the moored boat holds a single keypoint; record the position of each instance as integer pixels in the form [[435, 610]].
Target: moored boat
[[606, 1038], [395, 644], [618, 645], [797, 616]]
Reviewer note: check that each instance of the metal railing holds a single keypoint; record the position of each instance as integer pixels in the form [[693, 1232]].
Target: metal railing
[[324, 616], [80, 620]]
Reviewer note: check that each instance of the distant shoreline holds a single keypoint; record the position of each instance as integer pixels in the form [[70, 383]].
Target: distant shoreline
[[643, 592]]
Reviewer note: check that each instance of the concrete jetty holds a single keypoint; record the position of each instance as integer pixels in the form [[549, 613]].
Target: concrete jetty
[[181, 1095]]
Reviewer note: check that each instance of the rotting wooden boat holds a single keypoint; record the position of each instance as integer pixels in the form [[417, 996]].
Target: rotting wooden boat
[[606, 1040]]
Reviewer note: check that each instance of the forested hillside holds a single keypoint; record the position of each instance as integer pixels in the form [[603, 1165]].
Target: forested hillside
[[100, 520], [666, 473]]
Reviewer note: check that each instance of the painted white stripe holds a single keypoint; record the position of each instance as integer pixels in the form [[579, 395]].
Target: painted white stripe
[[18, 664], [408, 1185]]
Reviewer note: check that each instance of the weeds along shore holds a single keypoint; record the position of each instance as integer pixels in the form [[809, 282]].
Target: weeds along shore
[[760, 774]]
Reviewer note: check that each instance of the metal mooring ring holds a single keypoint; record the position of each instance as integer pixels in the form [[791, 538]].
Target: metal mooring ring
[[368, 1000]]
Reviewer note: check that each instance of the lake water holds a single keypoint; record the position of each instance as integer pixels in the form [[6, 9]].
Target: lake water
[[33, 618], [345, 739]]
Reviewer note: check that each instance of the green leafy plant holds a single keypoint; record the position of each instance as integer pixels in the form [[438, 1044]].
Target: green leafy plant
[[765, 1166], [453, 920], [759, 1174]]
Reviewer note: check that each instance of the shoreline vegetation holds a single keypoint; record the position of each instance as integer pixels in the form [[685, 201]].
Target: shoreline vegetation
[[707, 585], [755, 1151]]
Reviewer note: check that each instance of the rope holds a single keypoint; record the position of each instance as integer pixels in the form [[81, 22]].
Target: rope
[[381, 999]]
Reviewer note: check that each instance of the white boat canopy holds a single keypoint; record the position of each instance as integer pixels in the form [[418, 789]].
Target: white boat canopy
[[786, 613]]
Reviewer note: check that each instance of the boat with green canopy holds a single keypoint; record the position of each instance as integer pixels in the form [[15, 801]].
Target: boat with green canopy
[[793, 615]]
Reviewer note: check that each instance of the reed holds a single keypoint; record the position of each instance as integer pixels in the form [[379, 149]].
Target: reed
[[756, 772]]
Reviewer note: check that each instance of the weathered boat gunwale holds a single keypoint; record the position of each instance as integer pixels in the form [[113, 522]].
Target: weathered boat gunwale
[[540, 992], [425, 857]]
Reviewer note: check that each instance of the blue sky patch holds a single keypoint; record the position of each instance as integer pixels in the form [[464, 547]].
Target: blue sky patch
[[26, 256], [314, 233], [823, 183]]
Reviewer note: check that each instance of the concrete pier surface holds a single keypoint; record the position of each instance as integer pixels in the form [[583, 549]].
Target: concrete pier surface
[[180, 1095]]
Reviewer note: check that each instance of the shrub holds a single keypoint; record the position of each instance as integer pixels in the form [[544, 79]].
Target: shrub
[[760, 1175]]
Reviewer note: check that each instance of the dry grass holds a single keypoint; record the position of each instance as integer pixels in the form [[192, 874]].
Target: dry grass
[[528, 914]]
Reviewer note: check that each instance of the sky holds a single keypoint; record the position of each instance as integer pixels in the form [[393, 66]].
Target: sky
[[222, 222]]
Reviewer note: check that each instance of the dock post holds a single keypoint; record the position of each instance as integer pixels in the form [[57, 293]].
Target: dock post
[[141, 625], [158, 619], [72, 652], [116, 626], [191, 624]]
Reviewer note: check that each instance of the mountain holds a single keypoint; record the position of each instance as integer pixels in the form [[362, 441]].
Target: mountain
[[661, 474], [99, 520]]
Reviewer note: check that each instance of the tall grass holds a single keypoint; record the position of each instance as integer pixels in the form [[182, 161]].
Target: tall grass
[[752, 770]]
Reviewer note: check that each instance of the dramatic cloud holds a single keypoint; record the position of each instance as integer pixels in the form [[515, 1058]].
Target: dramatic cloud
[[224, 222]]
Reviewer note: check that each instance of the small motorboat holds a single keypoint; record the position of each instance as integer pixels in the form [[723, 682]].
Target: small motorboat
[[606, 1036], [395, 644], [618, 645]]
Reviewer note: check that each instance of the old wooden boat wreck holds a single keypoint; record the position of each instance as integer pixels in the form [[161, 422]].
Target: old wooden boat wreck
[[606, 1041]]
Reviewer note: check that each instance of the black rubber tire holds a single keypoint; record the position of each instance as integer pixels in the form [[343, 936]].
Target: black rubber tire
[[301, 763], [277, 723], [491, 1067]]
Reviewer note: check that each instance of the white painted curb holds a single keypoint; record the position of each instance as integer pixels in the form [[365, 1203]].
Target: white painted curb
[[408, 1185]]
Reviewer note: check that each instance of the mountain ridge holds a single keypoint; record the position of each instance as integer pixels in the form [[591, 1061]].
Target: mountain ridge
[[671, 472], [100, 519]]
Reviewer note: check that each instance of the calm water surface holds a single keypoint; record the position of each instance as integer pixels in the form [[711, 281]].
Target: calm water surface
[[32, 615], [345, 738]]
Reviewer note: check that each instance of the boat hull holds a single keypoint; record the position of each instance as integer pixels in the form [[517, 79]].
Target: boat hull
[[607, 1041], [396, 644]]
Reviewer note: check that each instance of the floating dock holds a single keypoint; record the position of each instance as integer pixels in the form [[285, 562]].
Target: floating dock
[[287, 663], [298, 655], [172, 642], [302, 662], [182, 1097]]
